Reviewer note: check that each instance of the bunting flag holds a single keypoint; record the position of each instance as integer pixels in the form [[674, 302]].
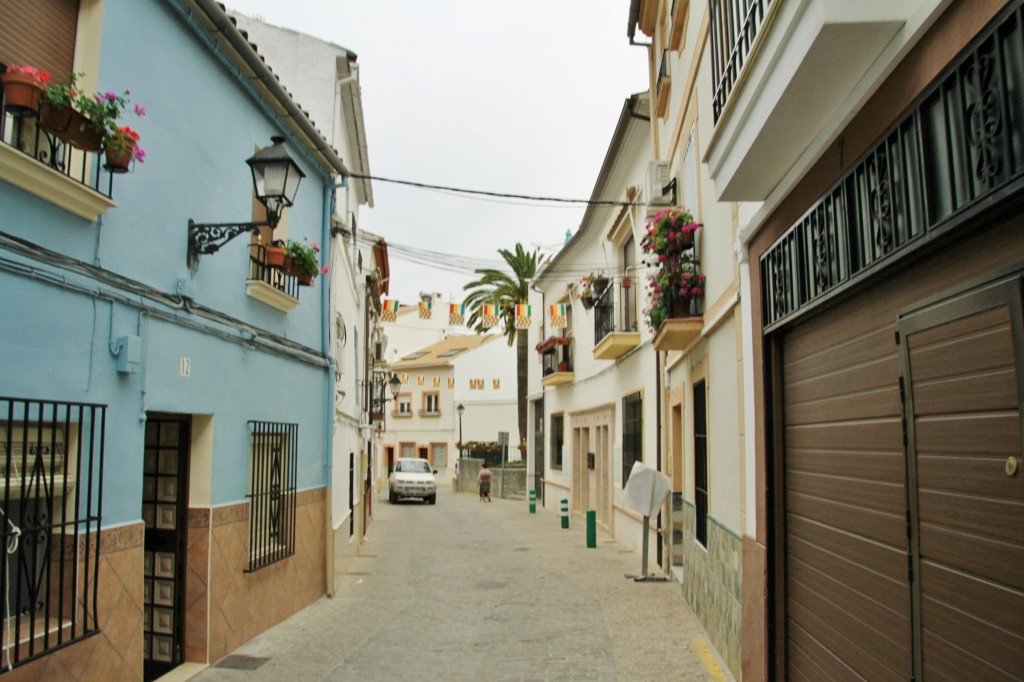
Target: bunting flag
[[390, 311], [437, 382], [419, 379], [405, 377], [457, 313], [497, 383], [523, 314], [425, 307], [451, 382], [557, 314], [490, 315]]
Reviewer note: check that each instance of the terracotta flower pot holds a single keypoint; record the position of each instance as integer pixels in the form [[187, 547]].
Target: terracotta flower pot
[[305, 279], [22, 93], [119, 158], [80, 133], [276, 256], [55, 119]]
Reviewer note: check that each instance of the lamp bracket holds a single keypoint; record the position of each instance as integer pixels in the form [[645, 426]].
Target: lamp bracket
[[209, 237]]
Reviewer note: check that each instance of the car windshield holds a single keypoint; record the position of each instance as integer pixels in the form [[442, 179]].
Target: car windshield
[[420, 467]]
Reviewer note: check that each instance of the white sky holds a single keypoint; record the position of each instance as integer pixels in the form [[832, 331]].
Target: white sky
[[511, 96]]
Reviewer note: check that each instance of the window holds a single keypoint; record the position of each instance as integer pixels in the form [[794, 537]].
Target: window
[[632, 433], [629, 318], [439, 452], [272, 474], [407, 450], [46, 449], [557, 440], [431, 403], [404, 405], [700, 461]]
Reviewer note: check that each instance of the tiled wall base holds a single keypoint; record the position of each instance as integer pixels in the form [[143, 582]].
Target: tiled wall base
[[712, 581], [115, 653]]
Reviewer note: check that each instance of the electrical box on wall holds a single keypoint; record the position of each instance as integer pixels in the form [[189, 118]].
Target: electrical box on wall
[[129, 354]]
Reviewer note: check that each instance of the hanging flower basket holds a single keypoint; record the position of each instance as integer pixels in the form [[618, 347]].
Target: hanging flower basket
[[588, 301], [23, 88], [600, 284]]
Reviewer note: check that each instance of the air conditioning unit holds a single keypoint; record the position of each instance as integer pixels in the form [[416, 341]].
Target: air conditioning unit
[[658, 179]]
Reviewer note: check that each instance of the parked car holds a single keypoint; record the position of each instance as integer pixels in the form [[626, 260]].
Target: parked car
[[412, 477]]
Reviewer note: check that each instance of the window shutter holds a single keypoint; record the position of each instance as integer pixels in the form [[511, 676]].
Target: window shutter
[[39, 33]]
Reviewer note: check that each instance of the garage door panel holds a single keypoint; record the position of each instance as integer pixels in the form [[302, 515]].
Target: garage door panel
[[829, 349], [983, 517], [855, 643], [875, 495], [810, 660], [957, 665], [959, 434], [988, 558], [885, 588], [850, 380], [881, 466], [850, 518], [886, 559], [970, 475], [979, 342], [873, 404], [873, 435], [945, 586], [981, 392]]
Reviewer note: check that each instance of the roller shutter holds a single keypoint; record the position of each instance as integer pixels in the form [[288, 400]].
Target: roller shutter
[[39, 33]]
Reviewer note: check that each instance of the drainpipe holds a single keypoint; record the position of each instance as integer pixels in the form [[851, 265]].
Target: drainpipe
[[325, 332], [657, 426]]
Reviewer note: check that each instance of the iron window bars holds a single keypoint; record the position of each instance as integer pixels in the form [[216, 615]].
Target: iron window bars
[[734, 26], [52, 460], [272, 487]]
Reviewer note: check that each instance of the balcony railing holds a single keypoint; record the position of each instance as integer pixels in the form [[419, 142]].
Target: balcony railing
[[24, 134], [734, 26], [51, 460], [274, 277], [556, 361]]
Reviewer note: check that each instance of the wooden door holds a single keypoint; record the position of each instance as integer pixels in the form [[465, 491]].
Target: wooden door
[[963, 378]]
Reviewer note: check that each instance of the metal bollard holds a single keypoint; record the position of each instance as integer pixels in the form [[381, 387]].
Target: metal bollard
[[565, 513], [591, 528], [533, 501]]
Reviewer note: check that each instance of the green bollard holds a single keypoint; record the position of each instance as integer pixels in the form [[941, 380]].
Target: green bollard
[[533, 501], [565, 513], [591, 528]]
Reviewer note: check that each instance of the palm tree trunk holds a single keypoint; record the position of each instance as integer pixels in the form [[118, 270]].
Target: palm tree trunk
[[522, 357]]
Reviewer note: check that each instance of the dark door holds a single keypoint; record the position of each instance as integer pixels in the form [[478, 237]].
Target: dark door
[[164, 510], [964, 384]]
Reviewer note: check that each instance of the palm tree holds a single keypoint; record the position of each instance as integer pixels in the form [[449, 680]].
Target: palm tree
[[505, 290]]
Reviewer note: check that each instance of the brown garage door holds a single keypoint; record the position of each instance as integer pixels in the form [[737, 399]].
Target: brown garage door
[[848, 511], [962, 368], [847, 599]]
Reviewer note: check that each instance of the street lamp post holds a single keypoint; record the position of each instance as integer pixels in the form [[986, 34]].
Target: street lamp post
[[460, 409]]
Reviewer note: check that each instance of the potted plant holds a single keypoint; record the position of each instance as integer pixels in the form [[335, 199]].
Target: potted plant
[[121, 148], [104, 113], [276, 254], [672, 289], [591, 288], [304, 261], [23, 89], [670, 231]]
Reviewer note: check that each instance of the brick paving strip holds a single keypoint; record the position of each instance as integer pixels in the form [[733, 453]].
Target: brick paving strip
[[464, 590]]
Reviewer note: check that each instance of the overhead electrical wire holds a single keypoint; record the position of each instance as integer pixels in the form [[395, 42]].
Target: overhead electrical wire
[[501, 195]]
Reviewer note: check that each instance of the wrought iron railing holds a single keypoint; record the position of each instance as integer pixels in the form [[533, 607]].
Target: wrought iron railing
[[272, 479], [275, 277], [51, 454], [734, 26], [24, 134], [956, 146], [615, 310], [558, 358]]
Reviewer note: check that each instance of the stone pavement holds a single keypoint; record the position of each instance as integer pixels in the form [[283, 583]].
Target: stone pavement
[[465, 590]]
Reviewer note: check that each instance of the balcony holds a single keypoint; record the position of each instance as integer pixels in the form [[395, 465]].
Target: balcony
[[46, 165], [270, 285], [682, 327], [766, 56], [616, 335], [556, 361], [664, 87]]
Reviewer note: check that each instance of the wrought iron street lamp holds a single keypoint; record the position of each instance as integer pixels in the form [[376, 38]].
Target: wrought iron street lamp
[[461, 409], [395, 384], [275, 180]]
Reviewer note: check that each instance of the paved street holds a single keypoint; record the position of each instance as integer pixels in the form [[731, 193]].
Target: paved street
[[465, 590]]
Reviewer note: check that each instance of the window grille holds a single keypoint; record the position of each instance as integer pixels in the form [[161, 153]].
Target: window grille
[[272, 480], [700, 461], [632, 433], [51, 456]]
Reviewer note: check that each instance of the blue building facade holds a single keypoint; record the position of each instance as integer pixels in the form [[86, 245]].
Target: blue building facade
[[171, 422]]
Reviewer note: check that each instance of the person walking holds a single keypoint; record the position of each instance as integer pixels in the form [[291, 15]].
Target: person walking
[[483, 479]]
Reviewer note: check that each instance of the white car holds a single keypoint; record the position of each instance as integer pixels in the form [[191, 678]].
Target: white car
[[412, 477]]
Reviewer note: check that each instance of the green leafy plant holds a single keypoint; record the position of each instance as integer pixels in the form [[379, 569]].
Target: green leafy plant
[[61, 94], [670, 288], [668, 231], [304, 257], [104, 112]]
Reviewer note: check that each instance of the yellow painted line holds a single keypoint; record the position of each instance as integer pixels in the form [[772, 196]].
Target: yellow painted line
[[707, 657]]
